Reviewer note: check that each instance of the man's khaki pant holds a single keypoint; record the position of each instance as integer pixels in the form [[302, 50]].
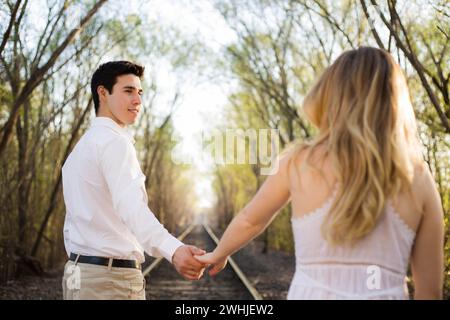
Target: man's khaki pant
[[83, 281]]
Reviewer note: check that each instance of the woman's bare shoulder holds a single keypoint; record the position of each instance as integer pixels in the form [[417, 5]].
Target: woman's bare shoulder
[[423, 185]]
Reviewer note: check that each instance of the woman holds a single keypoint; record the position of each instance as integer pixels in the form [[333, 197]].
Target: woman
[[364, 204]]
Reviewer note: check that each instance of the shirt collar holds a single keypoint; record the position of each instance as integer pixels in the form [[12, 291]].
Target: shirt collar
[[110, 123]]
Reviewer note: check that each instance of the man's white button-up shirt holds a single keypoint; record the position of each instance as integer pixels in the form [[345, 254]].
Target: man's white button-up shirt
[[107, 213]]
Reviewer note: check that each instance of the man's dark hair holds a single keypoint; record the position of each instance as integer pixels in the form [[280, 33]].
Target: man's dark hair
[[106, 75]]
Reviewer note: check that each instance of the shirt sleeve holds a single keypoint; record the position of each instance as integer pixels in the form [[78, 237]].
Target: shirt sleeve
[[126, 183]]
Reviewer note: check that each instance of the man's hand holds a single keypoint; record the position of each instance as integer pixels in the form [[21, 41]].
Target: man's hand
[[211, 259], [185, 263]]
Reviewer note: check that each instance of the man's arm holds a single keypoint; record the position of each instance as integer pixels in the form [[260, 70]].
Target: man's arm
[[126, 183]]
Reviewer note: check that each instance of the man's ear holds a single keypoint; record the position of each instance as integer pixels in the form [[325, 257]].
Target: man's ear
[[101, 91]]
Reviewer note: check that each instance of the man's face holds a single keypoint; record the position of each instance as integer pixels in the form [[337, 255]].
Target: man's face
[[124, 103]]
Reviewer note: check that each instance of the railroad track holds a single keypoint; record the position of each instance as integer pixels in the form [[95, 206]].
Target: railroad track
[[163, 282]]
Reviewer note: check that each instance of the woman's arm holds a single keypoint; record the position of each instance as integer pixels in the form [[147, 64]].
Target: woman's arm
[[253, 219], [427, 262]]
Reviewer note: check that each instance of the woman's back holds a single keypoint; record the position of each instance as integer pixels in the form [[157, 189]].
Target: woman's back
[[312, 186], [375, 266]]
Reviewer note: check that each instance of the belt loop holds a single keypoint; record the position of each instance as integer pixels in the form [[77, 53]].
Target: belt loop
[[110, 263], [76, 259]]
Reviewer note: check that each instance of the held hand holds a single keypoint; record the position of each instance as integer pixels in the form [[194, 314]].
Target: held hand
[[185, 263], [211, 259]]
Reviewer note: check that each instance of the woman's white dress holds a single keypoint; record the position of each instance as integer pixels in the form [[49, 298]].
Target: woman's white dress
[[374, 268]]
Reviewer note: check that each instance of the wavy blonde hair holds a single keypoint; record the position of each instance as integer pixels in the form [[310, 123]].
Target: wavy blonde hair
[[362, 108]]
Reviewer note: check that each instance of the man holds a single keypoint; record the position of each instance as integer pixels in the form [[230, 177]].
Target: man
[[108, 224]]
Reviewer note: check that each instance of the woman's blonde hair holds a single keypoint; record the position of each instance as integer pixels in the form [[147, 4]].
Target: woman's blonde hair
[[362, 108]]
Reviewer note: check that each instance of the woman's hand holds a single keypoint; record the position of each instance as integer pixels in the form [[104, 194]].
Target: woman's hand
[[213, 260]]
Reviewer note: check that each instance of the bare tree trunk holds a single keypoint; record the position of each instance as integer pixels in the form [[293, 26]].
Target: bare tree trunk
[[156, 151], [22, 172], [12, 19]]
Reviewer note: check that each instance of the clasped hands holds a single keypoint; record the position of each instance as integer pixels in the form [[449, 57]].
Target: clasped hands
[[190, 262]]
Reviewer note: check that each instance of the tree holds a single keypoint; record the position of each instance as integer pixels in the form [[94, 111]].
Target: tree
[[37, 69]]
